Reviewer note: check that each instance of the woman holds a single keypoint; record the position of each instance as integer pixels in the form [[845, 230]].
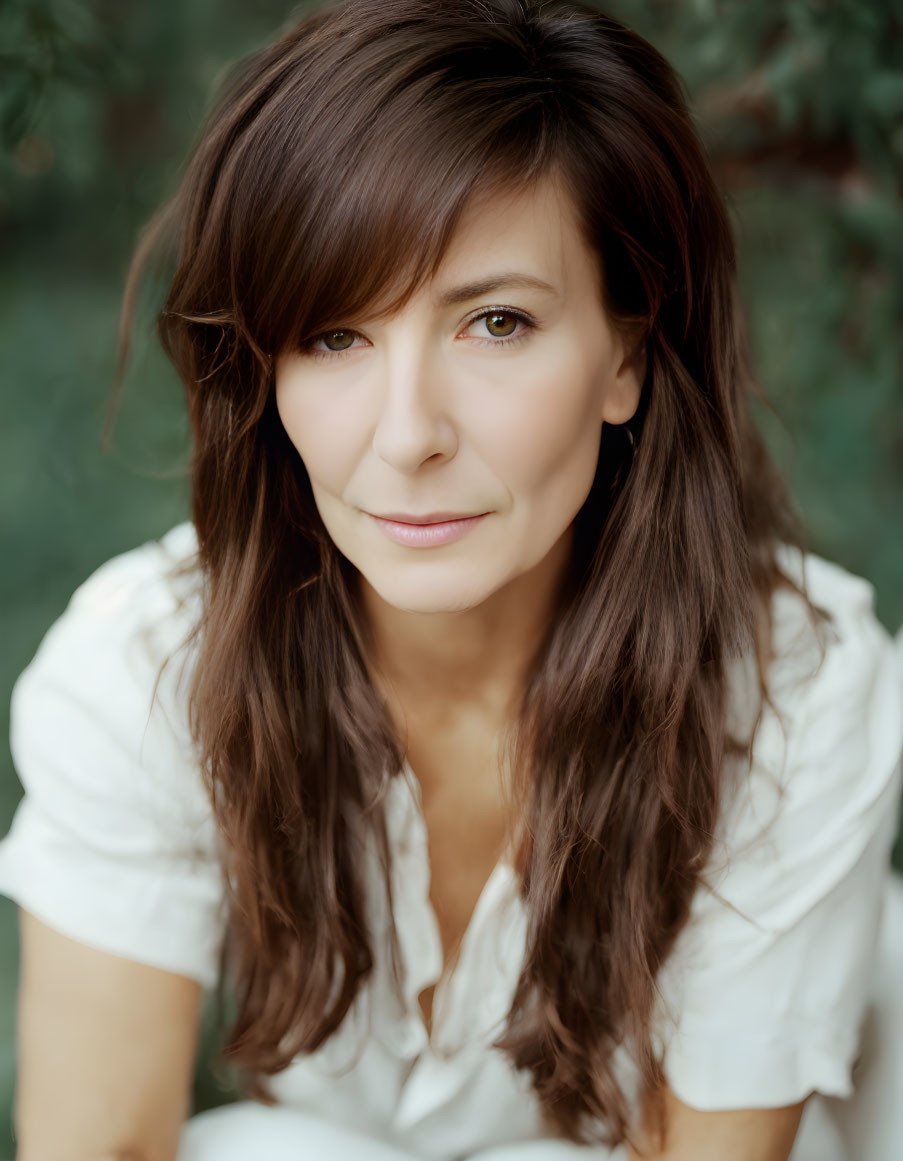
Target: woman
[[522, 776]]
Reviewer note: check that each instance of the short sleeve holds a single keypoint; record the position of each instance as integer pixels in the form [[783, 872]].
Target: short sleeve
[[765, 993], [113, 843]]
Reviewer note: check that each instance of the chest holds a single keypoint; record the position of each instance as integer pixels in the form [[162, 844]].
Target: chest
[[466, 821]]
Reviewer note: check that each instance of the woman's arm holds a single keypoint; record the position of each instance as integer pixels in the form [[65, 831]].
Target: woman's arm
[[725, 1135], [106, 1052]]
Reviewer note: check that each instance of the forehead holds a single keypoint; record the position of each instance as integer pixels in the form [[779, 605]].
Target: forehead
[[375, 263], [532, 231]]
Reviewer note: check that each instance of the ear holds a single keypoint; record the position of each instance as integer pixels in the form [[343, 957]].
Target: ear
[[622, 395]]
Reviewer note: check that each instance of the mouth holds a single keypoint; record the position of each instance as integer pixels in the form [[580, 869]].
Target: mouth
[[429, 518], [427, 532]]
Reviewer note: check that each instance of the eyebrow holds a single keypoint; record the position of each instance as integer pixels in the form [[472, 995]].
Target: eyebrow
[[481, 286]]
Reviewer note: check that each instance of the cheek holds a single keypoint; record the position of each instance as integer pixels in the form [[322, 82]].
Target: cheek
[[323, 432], [545, 434]]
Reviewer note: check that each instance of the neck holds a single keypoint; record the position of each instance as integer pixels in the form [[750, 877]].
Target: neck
[[475, 659]]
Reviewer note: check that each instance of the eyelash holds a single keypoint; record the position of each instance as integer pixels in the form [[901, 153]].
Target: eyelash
[[307, 347]]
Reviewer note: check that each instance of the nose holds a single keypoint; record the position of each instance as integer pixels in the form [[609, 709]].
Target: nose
[[413, 423]]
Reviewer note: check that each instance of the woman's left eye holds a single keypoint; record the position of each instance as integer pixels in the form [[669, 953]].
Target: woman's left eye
[[502, 317], [498, 319]]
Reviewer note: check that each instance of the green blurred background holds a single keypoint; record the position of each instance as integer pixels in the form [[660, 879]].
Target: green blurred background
[[800, 104]]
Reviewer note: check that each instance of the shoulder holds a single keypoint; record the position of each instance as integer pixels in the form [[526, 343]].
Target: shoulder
[[829, 741], [769, 979], [131, 612], [93, 680], [114, 842], [147, 597], [853, 634]]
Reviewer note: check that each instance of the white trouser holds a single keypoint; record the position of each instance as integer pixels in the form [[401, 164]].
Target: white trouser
[[248, 1131], [868, 1127]]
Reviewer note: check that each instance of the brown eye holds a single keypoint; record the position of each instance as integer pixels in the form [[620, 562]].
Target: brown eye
[[345, 342], [496, 325]]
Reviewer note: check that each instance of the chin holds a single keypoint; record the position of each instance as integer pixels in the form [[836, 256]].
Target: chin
[[425, 594]]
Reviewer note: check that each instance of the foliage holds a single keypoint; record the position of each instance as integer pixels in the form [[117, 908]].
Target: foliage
[[800, 103]]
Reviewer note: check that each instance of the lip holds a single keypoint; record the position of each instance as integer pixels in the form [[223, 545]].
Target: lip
[[429, 518], [427, 535]]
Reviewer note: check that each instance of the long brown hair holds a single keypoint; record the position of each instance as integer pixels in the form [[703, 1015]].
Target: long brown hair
[[327, 181]]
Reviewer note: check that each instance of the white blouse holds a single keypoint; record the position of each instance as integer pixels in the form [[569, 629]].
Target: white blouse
[[762, 999]]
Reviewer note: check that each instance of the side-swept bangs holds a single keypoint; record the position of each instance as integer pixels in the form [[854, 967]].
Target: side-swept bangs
[[339, 190]]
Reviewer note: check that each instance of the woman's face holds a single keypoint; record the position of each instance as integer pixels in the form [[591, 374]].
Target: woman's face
[[467, 402]]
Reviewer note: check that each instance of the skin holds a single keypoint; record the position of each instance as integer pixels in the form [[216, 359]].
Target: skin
[[429, 410], [722, 1135], [106, 1049]]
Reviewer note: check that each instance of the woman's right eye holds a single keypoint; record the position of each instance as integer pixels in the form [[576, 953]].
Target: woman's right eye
[[344, 340]]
